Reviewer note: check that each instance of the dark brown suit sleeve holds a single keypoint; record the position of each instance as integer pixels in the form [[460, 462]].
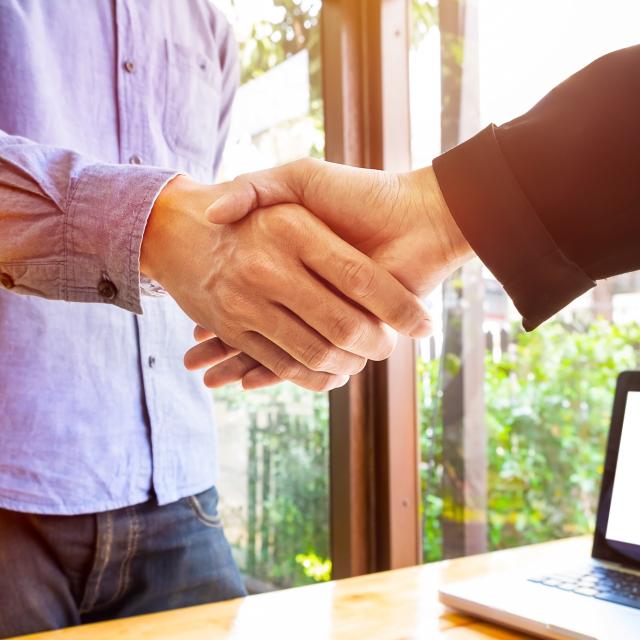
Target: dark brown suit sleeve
[[550, 201]]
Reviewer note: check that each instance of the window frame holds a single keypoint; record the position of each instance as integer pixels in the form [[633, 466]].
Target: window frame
[[375, 491]]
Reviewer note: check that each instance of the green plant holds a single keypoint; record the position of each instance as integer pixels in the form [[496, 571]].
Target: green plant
[[316, 568], [548, 400], [548, 408], [292, 26], [287, 520]]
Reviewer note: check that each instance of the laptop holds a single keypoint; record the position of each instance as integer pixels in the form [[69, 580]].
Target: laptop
[[595, 598]]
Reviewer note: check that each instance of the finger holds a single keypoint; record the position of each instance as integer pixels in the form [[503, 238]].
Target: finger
[[283, 365], [229, 371], [295, 337], [208, 353], [342, 323], [260, 189], [230, 207], [368, 284], [259, 378], [200, 333]]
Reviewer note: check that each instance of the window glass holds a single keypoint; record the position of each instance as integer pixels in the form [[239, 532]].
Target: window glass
[[513, 424], [274, 452]]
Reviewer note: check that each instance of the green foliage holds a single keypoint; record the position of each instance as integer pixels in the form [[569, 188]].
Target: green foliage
[[287, 524], [424, 16], [548, 401], [548, 409], [293, 25], [316, 568], [431, 469]]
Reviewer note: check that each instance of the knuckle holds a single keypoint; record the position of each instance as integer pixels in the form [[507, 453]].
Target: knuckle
[[233, 339], [386, 344], [234, 311], [346, 332], [359, 278], [225, 296], [307, 163], [240, 180], [318, 357], [322, 382], [331, 382], [286, 368], [402, 315], [307, 166], [283, 221], [257, 267]]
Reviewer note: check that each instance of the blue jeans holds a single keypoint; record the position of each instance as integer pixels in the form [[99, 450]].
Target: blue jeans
[[58, 571]]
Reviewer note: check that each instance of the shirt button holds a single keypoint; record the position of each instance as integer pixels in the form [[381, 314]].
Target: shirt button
[[129, 66], [7, 281], [152, 361], [107, 289], [135, 159]]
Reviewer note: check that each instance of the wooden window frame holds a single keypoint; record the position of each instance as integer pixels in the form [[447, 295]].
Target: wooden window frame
[[375, 488]]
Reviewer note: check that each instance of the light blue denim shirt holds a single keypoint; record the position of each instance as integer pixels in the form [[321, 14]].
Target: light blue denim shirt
[[101, 102]]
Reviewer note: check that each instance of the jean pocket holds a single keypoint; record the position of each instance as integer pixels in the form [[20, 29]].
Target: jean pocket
[[192, 103], [208, 516]]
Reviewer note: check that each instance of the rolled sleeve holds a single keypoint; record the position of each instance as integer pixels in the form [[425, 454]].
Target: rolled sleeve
[[71, 228], [503, 228], [107, 214]]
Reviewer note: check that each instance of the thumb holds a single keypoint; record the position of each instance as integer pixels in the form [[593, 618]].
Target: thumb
[[279, 185], [234, 204]]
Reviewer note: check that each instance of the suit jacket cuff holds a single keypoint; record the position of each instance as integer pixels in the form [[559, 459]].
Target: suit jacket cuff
[[502, 227]]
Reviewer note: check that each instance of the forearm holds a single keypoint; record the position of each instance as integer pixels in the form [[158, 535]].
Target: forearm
[[68, 224]]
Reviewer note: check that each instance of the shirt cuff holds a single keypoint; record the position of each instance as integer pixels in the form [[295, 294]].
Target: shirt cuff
[[502, 227], [107, 215]]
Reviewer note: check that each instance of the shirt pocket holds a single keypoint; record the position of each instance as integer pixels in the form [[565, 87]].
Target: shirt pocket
[[192, 104]]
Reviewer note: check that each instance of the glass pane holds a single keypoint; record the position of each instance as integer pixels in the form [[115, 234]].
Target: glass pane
[[538, 402], [274, 454]]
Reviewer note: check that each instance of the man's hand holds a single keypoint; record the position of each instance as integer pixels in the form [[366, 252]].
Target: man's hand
[[400, 221], [278, 286]]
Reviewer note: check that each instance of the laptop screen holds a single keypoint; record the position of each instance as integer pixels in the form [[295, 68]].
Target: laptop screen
[[617, 537], [624, 512]]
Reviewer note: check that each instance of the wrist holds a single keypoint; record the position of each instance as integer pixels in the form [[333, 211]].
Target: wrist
[[446, 238], [173, 204]]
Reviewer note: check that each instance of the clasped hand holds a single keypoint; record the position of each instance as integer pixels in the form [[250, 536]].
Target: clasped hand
[[303, 272]]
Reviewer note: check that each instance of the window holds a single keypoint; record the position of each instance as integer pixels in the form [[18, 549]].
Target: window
[[274, 454], [513, 425]]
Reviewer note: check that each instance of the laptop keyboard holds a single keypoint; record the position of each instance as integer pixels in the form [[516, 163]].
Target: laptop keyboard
[[597, 582]]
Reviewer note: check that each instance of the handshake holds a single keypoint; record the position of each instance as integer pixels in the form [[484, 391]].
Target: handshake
[[303, 272]]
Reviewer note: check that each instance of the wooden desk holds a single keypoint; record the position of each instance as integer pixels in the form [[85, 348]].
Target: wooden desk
[[394, 605]]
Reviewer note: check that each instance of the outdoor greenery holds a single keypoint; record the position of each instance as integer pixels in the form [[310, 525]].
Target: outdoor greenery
[[548, 401], [289, 27], [287, 520]]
